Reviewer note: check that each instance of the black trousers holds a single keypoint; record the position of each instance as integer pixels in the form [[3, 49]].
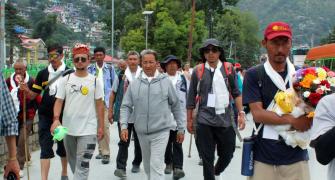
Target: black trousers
[[122, 155], [207, 138], [174, 152]]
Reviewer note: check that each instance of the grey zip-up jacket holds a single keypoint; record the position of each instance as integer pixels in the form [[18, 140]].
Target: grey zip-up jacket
[[153, 103]]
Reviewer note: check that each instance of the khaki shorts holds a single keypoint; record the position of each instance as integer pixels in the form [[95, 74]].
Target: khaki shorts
[[296, 171]]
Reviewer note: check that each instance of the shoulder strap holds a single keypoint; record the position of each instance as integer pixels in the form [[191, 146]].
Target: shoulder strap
[[200, 71], [227, 75], [260, 73]]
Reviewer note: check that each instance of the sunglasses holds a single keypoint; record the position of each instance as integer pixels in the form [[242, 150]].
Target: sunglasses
[[213, 49], [53, 56], [77, 59]]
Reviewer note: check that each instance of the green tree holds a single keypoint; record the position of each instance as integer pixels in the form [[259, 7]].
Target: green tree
[[45, 27], [238, 32], [330, 38], [134, 40], [12, 20]]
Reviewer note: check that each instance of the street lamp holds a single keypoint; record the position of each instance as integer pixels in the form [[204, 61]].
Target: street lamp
[[146, 13]]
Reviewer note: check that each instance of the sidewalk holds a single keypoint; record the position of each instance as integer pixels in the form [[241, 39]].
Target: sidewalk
[[192, 170]]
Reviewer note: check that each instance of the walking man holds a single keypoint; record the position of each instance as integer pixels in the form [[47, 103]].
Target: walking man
[[151, 99], [16, 84], [8, 127], [105, 74], [215, 118], [47, 80], [174, 156], [83, 113], [125, 76], [274, 159]]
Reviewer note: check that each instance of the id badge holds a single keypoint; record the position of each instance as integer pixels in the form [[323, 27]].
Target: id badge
[[211, 100]]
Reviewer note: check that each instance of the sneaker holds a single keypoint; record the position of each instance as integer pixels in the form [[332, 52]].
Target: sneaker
[[64, 178], [105, 159], [178, 173], [21, 173], [99, 156], [168, 169], [135, 169], [120, 173], [200, 163]]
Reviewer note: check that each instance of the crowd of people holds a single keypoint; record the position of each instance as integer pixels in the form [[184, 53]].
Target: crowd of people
[[155, 102]]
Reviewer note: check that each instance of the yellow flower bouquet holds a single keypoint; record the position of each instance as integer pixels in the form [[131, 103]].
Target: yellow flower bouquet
[[288, 102]]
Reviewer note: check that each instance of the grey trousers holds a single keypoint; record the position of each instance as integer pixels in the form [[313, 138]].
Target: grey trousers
[[153, 148], [79, 151]]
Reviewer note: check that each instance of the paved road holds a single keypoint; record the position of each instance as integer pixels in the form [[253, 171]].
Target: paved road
[[192, 169]]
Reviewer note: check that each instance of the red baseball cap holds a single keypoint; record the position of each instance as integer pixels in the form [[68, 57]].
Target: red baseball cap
[[276, 29]]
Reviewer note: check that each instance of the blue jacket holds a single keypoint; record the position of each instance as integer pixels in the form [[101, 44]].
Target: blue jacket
[[108, 76]]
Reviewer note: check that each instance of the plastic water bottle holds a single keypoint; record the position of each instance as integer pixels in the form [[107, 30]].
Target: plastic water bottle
[[247, 168]]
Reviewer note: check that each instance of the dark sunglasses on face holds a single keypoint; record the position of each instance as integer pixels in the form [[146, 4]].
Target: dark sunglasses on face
[[213, 49], [77, 59]]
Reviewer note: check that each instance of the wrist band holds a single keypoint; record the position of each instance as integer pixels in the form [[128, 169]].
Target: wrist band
[[12, 158]]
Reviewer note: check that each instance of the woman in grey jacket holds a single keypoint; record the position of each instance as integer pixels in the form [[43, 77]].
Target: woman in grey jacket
[[152, 98]]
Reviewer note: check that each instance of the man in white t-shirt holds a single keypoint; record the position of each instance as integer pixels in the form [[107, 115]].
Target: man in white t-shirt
[[83, 113]]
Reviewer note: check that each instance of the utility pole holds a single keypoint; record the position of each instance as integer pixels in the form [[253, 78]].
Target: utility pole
[[112, 30], [2, 35], [146, 31], [190, 37], [146, 16]]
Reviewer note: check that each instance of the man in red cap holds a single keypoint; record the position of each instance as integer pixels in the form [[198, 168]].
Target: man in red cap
[[83, 114], [273, 158]]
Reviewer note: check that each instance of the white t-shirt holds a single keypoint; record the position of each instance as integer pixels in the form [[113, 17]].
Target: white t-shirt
[[80, 93]]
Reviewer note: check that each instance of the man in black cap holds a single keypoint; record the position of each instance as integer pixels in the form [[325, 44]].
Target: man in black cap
[[174, 150], [215, 123]]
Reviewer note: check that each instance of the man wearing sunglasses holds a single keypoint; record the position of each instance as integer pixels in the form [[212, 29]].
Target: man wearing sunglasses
[[83, 113], [105, 73], [215, 123], [47, 80]]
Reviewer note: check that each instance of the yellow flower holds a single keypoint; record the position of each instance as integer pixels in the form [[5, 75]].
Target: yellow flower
[[307, 81], [285, 101], [311, 114], [322, 74]]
